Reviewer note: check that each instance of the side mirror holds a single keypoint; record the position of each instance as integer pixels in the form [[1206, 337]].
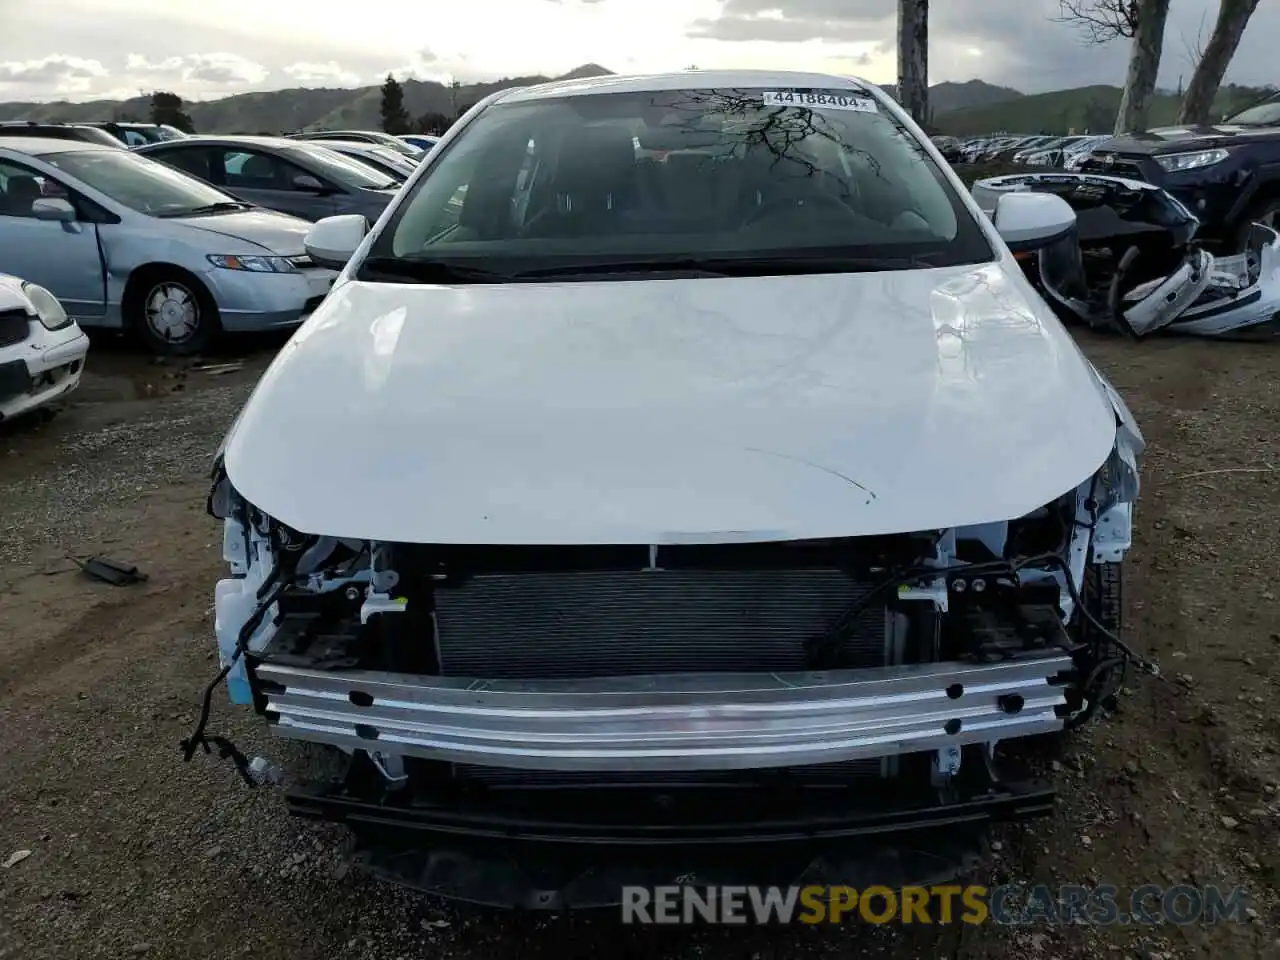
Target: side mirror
[[331, 242], [304, 181], [1029, 220], [53, 208]]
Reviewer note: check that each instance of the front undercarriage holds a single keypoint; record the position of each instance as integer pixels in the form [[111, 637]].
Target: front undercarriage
[[535, 726]]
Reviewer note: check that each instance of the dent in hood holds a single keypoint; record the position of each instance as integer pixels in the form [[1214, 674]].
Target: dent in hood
[[673, 411]]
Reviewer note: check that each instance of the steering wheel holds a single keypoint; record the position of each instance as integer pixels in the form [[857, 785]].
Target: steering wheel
[[816, 199]]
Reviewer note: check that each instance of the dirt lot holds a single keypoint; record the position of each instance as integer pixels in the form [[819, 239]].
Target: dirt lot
[[134, 853]]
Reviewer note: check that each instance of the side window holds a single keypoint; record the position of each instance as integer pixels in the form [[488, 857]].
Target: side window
[[250, 170], [20, 187], [133, 138], [194, 162]]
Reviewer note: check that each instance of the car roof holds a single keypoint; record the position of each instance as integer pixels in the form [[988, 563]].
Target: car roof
[[377, 148], [44, 146], [227, 141], [684, 80]]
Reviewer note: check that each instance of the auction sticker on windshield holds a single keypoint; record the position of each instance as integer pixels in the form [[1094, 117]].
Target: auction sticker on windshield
[[821, 99]]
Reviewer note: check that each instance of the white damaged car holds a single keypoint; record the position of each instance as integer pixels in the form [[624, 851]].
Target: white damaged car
[[42, 350], [681, 479]]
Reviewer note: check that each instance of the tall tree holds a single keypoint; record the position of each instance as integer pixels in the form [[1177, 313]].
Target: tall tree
[[913, 58], [433, 123], [395, 118], [1142, 22], [1144, 66], [1233, 17], [167, 108]]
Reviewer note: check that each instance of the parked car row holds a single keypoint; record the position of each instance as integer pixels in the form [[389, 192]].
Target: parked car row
[[398, 144], [125, 242], [1041, 150], [108, 133]]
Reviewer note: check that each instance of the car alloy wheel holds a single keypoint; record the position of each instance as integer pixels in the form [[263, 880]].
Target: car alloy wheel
[[172, 312]]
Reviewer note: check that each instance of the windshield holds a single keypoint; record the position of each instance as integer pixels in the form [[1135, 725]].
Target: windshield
[[166, 132], [1265, 114], [683, 175], [345, 170], [138, 183]]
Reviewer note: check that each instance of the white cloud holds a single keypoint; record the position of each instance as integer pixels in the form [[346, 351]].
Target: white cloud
[[207, 69], [318, 42], [58, 73], [330, 74]]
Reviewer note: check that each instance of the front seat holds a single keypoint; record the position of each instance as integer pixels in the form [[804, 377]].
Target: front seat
[[595, 183], [259, 171], [20, 193]]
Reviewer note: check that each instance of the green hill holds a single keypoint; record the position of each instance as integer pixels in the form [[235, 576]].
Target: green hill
[[960, 109], [1084, 109], [283, 111], [300, 108]]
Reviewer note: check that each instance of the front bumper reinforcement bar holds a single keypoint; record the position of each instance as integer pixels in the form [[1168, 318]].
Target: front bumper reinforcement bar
[[679, 722]]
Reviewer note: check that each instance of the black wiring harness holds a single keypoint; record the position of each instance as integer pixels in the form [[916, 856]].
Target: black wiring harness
[[268, 593]]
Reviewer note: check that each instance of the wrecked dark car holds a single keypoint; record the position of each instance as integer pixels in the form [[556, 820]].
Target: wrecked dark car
[[1132, 263]]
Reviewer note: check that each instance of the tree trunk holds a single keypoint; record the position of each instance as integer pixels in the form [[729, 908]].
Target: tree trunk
[[1233, 17], [913, 58], [1144, 66]]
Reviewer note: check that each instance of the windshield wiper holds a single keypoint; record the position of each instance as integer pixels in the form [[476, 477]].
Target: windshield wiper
[[401, 270], [222, 206], [730, 266]]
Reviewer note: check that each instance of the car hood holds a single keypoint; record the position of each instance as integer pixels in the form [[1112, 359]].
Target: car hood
[[672, 411], [1178, 139], [280, 233]]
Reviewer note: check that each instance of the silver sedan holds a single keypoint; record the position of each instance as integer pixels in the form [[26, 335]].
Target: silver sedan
[[125, 242]]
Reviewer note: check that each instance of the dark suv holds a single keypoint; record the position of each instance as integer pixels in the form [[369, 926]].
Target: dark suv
[[58, 131], [1227, 174]]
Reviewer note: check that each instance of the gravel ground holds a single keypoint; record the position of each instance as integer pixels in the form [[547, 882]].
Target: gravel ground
[[133, 853]]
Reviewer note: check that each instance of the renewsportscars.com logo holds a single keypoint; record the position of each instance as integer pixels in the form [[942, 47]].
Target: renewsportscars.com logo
[[943, 904]]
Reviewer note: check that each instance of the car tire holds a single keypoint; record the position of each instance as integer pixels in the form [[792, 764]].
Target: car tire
[[1103, 597], [171, 311], [1266, 210]]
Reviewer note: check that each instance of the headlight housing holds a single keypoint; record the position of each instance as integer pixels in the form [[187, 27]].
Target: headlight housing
[[48, 310], [253, 263], [1176, 162]]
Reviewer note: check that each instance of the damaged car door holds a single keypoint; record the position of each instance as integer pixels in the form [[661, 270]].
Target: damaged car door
[[48, 236]]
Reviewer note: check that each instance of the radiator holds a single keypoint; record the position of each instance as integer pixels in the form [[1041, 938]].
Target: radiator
[[636, 622]]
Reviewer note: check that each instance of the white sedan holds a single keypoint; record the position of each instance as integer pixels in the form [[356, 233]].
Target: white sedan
[[712, 442], [42, 350]]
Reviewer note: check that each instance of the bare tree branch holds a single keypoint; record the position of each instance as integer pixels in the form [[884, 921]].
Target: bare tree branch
[[1211, 67], [1194, 52], [1100, 21]]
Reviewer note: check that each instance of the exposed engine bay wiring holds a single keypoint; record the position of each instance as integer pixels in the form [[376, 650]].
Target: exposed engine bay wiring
[[826, 644], [268, 593]]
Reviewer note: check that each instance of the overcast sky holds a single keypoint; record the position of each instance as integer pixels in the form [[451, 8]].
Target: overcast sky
[[88, 49]]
